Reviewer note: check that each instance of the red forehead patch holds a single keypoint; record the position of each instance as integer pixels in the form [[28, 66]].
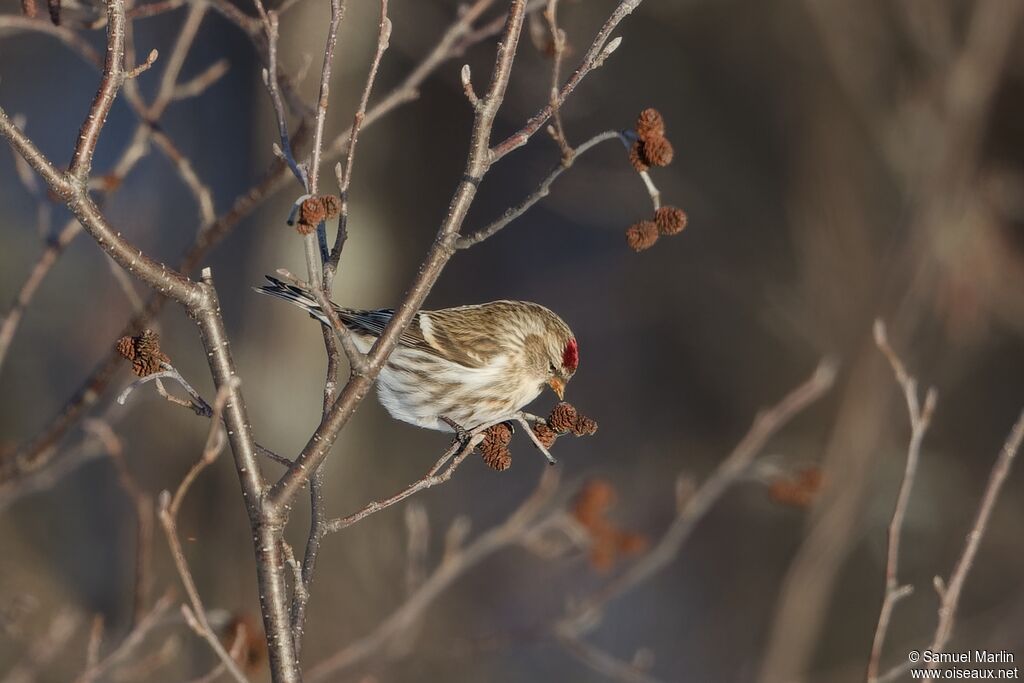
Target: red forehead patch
[[571, 356]]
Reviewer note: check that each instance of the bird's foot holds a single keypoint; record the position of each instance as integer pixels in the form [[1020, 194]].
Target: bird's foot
[[462, 435]]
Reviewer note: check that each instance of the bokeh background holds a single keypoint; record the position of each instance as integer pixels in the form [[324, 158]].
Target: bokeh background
[[838, 161]]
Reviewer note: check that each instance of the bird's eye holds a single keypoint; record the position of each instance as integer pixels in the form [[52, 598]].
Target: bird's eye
[[551, 368]]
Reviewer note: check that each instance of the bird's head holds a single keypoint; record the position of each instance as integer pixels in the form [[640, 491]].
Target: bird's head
[[563, 359], [550, 352]]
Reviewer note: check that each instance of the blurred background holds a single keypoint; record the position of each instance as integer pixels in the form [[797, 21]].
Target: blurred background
[[838, 161]]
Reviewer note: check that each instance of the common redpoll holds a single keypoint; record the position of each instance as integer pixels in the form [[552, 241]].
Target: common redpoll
[[470, 365]]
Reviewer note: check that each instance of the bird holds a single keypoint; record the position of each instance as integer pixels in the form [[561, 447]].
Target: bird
[[462, 368]]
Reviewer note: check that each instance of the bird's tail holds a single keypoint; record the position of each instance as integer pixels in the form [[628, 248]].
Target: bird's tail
[[296, 296]]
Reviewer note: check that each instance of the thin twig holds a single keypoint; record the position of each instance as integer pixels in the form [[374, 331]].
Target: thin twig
[[542, 191], [949, 591], [919, 423], [438, 474], [168, 371], [344, 173], [558, 46], [599, 51], [270, 80]]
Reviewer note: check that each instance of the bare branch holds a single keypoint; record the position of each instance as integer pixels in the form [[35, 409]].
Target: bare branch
[[113, 77], [542, 191], [558, 46], [949, 596], [599, 50], [438, 474], [919, 423], [344, 173], [202, 82]]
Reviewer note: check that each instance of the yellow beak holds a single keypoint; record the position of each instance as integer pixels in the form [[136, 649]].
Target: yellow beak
[[557, 386]]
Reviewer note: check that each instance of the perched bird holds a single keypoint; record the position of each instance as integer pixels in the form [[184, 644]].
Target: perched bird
[[470, 365]]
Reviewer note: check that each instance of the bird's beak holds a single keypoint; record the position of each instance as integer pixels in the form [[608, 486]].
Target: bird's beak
[[557, 386]]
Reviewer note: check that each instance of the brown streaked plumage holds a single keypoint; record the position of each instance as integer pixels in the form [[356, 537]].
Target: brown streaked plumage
[[472, 364]]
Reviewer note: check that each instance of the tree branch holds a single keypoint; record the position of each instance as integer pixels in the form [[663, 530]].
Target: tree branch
[[920, 420]]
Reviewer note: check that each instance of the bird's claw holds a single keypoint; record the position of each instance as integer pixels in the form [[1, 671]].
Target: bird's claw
[[462, 435]]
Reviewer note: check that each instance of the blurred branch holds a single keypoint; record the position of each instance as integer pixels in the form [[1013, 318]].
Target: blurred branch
[[766, 424], [236, 651], [920, 419], [602, 662], [55, 246], [586, 615], [949, 591], [936, 175], [169, 506], [143, 504], [514, 530], [45, 649], [130, 643]]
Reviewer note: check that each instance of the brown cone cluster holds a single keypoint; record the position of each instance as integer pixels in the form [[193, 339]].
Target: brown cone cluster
[[315, 210], [667, 221], [607, 541], [799, 491], [564, 419], [143, 351], [494, 448], [651, 148]]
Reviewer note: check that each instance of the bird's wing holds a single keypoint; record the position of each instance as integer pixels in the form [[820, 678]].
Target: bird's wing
[[460, 335]]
